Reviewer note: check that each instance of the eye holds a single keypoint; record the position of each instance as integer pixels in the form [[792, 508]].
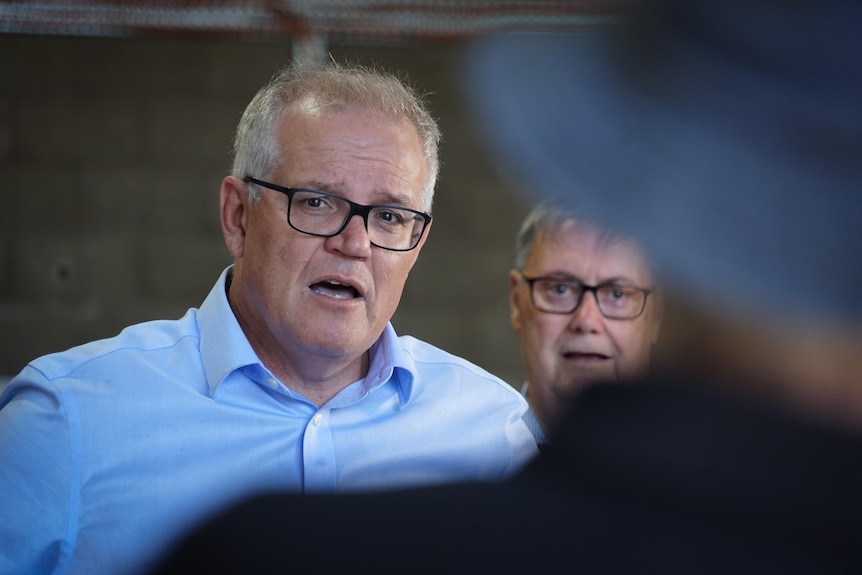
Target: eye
[[389, 217], [620, 297], [558, 289], [619, 293], [316, 202]]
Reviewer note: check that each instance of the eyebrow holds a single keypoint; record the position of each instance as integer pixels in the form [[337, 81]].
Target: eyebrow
[[622, 281], [386, 198]]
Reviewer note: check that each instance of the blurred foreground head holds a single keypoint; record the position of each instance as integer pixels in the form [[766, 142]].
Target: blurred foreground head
[[727, 138]]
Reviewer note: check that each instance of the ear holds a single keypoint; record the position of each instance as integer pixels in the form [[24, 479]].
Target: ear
[[424, 236], [233, 208], [658, 310], [414, 253], [514, 307]]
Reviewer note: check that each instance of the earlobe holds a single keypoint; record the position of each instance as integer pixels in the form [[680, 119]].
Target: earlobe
[[233, 206]]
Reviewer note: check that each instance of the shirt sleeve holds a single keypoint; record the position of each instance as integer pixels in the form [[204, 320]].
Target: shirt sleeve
[[36, 469]]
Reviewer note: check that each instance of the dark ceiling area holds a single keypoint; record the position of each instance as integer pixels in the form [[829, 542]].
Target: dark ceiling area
[[355, 20]]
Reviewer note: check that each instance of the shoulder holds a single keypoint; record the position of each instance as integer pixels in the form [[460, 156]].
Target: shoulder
[[135, 341], [431, 361]]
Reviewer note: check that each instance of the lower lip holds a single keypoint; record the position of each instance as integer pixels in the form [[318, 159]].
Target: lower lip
[[585, 358], [338, 300]]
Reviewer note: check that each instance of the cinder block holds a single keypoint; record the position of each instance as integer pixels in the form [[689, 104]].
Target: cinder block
[[194, 130], [78, 130], [236, 71], [5, 283], [43, 197], [180, 267], [115, 197], [5, 130], [170, 68], [181, 200], [23, 55], [73, 268]]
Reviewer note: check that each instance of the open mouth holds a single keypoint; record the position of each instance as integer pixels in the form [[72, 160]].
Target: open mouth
[[335, 289], [577, 355]]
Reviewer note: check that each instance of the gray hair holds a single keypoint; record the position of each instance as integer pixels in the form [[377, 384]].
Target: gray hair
[[329, 86], [550, 217]]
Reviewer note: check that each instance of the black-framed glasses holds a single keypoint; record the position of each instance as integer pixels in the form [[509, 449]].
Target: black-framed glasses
[[325, 214], [563, 296]]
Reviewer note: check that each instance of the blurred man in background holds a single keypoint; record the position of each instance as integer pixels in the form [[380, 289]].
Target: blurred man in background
[[583, 304]]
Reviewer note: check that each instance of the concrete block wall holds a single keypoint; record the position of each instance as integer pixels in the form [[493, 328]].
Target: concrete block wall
[[111, 155]]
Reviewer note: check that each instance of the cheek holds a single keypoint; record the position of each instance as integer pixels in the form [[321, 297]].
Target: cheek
[[277, 260], [632, 342], [390, 278], [546, 330], [266, 238]]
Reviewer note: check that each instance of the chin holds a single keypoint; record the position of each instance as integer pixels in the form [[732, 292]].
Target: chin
[[572, 387], [584, 379]]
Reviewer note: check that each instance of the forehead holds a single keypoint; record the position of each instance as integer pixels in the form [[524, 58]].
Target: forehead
[[334, 147], [588, 254], [306, 119]]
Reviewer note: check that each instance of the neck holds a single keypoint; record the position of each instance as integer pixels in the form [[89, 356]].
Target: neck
[[318, 378], [547, 408], [316, 374]]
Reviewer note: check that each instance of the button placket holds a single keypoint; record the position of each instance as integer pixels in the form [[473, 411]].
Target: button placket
[[318, 454]]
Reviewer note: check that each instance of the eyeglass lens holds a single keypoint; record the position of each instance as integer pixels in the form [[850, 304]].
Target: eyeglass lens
[[557, 296], [325, 215]]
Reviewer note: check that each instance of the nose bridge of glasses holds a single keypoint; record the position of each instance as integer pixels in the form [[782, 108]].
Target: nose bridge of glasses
[[354, 209], [585, 303]]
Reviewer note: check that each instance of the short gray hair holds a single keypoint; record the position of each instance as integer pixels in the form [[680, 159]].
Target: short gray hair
[[331, 85], [550, 217]]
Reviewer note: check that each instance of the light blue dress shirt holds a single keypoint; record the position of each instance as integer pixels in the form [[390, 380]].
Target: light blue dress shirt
[[110, 451]]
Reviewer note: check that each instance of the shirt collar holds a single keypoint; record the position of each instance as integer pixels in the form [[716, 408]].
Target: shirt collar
[[389, 360], [224, 347]]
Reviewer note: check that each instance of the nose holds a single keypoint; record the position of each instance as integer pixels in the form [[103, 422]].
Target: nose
[[353, 241], [587, 318]]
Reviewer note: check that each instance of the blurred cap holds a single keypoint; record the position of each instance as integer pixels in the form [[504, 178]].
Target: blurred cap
[[726, 136]]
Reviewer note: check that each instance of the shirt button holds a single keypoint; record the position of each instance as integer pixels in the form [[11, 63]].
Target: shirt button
[[273, 383], [316, 420]]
